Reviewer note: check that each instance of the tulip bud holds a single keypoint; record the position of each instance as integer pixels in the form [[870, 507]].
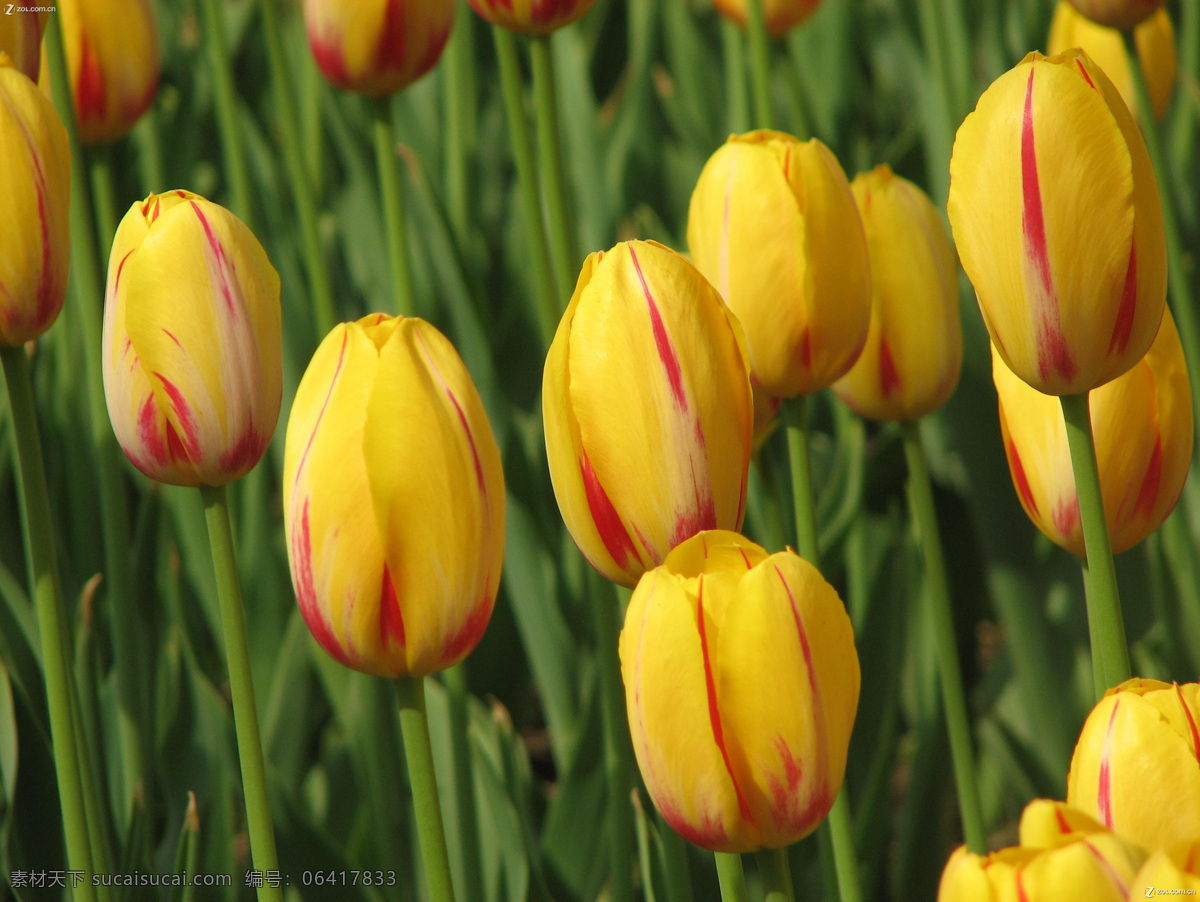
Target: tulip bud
[[531, 17], [34, 236], [21, 39], [781, 15], [377, 47], [647, 410], [1056, 214], [192, 341], [393, 499], [1123, 14], [1155, 39], [1136, 767], [112, 57], [742, 681], [1142, 427], [1175, 869], [910, 363], [773, 225]]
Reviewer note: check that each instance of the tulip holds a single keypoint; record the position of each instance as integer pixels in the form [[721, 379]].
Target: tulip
[[21, 39], [393, 501], [192, 341], [34, 236], [1123, 14], [1142, 427], [741, 681], [647, 409], [773, 225], [1177, 869], [910, 363], [781, 15], [532, 17], [1155, 38], [1056, 214], [1136, 766], [377, 47], [112, 57]]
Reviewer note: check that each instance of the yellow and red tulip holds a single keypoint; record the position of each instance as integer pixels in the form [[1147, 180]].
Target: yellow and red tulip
[[1136, 766], [1056, 214], [1155, 39], [773, 225], [34, 235], [911, 360], [647, 410], [393, 499], [113, 61], [742, 681], [21, 39], [533, 17], [1121, 14], [781, 15], [1177, 868], [377, 47], [1142, 427], [192, 341]]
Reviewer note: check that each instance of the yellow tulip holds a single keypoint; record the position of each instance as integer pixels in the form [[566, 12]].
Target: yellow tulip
[[773, 225], [910, 363], [34, 236], [1121, 14], [647, 410], [1136, 766], [741, 681], [1142, 427], [21, 39], [112, 57], [1156, 51], [393, 499], [531, 16], [377, 47], [192, 336], [781, 15], [1056, 214], [1175, 869]]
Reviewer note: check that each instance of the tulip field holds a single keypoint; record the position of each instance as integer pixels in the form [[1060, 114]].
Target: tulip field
[[577, 450]]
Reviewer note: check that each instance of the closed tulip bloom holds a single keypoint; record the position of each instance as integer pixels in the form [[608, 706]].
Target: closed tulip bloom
[[35, 203], [1176, 868], [1142, 426], [773, 225], [1136, 766], [192, 341], [377, 47], [533, 17], [910, 363], [393, 499], [741, 681], [1121, 14], [1056, 214], [647, 410], [1155, 39], [113, 61], [781, 15], [21, 39]]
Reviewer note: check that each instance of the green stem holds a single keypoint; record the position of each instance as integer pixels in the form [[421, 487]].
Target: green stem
[[43, 576], [150, 155], [840, 827], [554, 182], [675, 864], [311, 95], [1178, 280], [941, 120], [776, 875], [937, 594], [605, 605], [731, 876], [103, 195], [391, 190], [324, 310], [549, 306], [241, 686], [458, 115], [1103, 599], [459, 695], [233, 156], [760, 63], [733, 52], [413, 724]]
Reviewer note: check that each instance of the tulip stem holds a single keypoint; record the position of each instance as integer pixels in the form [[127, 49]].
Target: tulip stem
[[554, 182], [732, 877], [47, 594], [549, 306], [233, 156], [241, 686], [937, 597], [458, 695], [303, 195], [776, 875], [410, 691], [459, 113], [103, 195], [391, 188], [760, 63], [1103, 600]]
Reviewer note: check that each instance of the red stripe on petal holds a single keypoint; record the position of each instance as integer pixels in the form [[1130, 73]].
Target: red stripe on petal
[[1019, 477], [324, 404], [390, 53], [1063, 826], [1104, 789], [90, 100], [327, 51], [612, 531], [1151, 481], [1086, 77], [1187, 713], [889, 378], [219, 256], [183, 413], [306, 592], [1123, 327], [462, 419], [662, 341], [246, 451], [1022, 896], [391, 620], [1066, 516], [470, 633], [1109, 870], [150, 436]]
